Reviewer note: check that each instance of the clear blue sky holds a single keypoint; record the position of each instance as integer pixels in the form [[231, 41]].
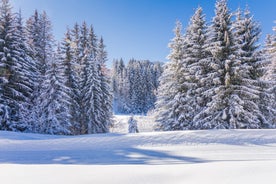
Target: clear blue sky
[[139, 29]]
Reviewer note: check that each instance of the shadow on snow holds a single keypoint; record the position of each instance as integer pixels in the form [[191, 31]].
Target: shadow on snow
[[122, 156]]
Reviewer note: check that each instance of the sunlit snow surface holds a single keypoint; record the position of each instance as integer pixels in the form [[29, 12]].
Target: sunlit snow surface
[[214, 156]]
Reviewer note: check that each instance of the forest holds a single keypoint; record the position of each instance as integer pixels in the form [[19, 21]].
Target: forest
[[218, 76]]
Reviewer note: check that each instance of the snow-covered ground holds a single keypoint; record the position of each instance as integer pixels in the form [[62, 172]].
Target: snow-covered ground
[[144, 123], [214, 156]]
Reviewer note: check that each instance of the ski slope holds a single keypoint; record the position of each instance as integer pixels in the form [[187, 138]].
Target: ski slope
[[210, 156]]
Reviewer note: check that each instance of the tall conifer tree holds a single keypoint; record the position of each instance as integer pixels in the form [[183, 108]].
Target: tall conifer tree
[[169, 81], [15, 87]]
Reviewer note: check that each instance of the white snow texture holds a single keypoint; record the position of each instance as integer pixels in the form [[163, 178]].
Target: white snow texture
[[208, 156]]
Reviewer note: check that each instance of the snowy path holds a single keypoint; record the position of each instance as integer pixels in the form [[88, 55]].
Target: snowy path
[[223, 156]]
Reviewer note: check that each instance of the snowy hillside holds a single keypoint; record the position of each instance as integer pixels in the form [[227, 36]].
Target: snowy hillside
[[215, 156]]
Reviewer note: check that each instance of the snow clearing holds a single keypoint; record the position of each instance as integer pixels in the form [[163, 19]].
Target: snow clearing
[[209, 156]]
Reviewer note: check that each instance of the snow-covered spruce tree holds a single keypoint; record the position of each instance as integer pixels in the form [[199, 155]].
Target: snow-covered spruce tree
[[82, 73], [152, 73], [55, 101], [169, 82], [76, 52], [40, 39], [234, 91], [106, 97], [85, 73], [67, 46], [92, 94], [28, 69], [132, 125], [220, 61], [269, 52], [188, 102], [118, 86], [92, 97], [77, 71], [270, 77], [247, 93], [134, 78], [15, 87], [157, 71]]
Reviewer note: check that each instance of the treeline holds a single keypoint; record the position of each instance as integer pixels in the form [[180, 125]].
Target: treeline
[[217, 76], [47, 87], [134, 86]]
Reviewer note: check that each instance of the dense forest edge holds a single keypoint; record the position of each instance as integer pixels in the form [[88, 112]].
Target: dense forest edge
[[218, 77]]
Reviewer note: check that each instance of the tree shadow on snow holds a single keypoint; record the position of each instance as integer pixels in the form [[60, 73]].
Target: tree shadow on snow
[[96, 157]]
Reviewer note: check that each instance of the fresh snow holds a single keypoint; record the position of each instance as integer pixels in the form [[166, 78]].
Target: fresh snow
[[208, 156]]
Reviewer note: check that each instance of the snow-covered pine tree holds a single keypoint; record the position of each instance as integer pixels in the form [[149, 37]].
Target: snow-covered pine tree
[[245, 91], [188, 102], [28, 70], [120, 87], [132, 125], [106, 97], [233, 62], [85, 56], [157, 72], [85, 59], [169, 82], [55, 101], [93, 91], [92, 97], [77, 70], [32, 32], [67, 46], [270, 77], [151, 75], [134, 78], [84, 49], [269, 54], [218, 86], [15, 88], [40, 39]]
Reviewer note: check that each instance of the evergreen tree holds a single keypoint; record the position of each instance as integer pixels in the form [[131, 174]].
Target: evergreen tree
[[67, 56], [40, 39], [106, 97], [132, 125], [28, 72], [169, 81], [220, 62], [55, 102], [119, 87], [246, 78], [15, 88], [188, 100], [270, 77], [92, 97], [233, 65], [97, 113]]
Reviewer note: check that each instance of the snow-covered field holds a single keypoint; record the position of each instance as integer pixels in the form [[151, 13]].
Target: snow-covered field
[[214, 156]]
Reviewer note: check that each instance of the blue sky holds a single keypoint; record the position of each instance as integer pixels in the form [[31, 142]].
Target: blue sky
[[139, 29]]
